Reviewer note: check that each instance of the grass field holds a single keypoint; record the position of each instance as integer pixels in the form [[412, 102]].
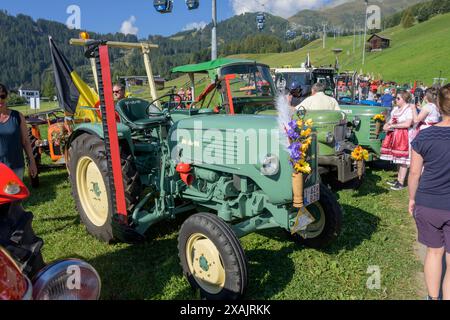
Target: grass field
[[45, 106], [377, 231], [417, 53]]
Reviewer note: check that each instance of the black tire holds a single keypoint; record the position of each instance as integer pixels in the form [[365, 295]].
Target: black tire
[[91, 146], [37, 158], [232, 256], [333, 221]]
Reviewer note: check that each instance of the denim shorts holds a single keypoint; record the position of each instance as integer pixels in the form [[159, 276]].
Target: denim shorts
[[433, 226]]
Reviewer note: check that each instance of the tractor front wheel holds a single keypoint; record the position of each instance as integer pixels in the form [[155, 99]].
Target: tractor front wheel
[[212, 257], [88, 168], [328, 220]]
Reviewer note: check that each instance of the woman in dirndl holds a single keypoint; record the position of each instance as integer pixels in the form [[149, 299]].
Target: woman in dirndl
[[396, 146]]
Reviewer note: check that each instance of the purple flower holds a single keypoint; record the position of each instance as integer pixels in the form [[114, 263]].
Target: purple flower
[[295, 151], [292, 124], [292, 134]]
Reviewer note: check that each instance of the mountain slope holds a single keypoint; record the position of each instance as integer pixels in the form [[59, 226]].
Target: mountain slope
[[418, 53], [25, 57], [344, 14]]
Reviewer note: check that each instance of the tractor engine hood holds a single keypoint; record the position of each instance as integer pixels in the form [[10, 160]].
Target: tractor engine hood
[[325, 116], [228, 140], [235, 145], [361, 110]]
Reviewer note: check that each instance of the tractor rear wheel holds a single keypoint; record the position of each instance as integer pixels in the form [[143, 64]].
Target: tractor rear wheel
[[328, 220], [88, 168], [212, 257], [37, 158]]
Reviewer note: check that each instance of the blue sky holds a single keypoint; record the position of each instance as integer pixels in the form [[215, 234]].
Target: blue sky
[[108, 16]]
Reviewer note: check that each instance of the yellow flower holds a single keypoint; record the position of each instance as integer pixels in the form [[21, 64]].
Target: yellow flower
[[379, 117], [300, 123], [305, 147], [366, 155], [360, 154], [306, 133], [303, 167], [309, 123], [308, 141]]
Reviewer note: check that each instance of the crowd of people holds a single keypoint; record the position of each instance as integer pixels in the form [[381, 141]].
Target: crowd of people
[[417, 140], [184, 94]]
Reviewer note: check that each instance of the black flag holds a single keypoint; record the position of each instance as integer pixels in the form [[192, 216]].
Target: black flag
[[67, 92]]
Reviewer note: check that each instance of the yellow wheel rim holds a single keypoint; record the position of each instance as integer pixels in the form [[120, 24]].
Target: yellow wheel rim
[[205, 263], [92, 191]]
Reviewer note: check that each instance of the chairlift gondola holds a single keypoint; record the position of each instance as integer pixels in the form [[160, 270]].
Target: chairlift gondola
[[163, 6], [192, 4], [260, 17], [260, 20]]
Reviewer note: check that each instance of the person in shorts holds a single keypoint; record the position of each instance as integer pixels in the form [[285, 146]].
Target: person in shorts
[[429, 196]]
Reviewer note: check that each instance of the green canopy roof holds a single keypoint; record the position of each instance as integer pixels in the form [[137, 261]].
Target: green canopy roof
[[209, 65]]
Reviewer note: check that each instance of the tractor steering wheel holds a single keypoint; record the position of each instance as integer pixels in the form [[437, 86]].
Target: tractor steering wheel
[[170, 105]]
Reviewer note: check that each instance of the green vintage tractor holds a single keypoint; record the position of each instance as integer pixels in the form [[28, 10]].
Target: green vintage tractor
[[365, 127], [230, 173], [334, 132]]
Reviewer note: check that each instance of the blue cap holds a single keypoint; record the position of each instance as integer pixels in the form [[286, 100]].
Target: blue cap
[[294, 85]]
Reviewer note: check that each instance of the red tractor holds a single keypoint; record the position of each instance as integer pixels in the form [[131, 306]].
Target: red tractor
[[47, 131]]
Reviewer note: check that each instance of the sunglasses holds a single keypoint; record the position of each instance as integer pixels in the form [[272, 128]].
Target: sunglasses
[[116, 91], [3, 96]]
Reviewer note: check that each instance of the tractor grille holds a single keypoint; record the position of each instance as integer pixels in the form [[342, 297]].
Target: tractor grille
[[229, 151], [339, 132]]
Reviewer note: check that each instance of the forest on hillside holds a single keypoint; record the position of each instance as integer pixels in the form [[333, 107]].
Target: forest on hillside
[[26, 60]]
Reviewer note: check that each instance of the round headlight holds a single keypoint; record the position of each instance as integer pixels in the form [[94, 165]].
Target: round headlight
[[330, 138], [270, 165], [70, 279], [356, 122]]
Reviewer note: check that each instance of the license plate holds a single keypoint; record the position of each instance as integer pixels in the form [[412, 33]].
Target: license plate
[[311, 195]]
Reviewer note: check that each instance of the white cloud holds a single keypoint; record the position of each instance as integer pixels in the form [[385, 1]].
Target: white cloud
[[128, 26], [195, 25], [284, 8]]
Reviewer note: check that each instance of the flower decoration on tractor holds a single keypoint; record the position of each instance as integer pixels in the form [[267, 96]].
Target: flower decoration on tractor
[[379, 119], [299, 134], [360, 155]]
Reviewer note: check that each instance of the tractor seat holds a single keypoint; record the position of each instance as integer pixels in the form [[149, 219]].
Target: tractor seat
[[133, 112]]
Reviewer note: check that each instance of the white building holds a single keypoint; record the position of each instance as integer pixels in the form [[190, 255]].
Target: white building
[[28, 94]]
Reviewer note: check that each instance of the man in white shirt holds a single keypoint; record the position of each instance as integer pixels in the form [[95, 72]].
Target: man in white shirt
[[319, 100]]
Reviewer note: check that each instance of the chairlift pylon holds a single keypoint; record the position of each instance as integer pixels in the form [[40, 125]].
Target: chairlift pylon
[[163, 6]]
